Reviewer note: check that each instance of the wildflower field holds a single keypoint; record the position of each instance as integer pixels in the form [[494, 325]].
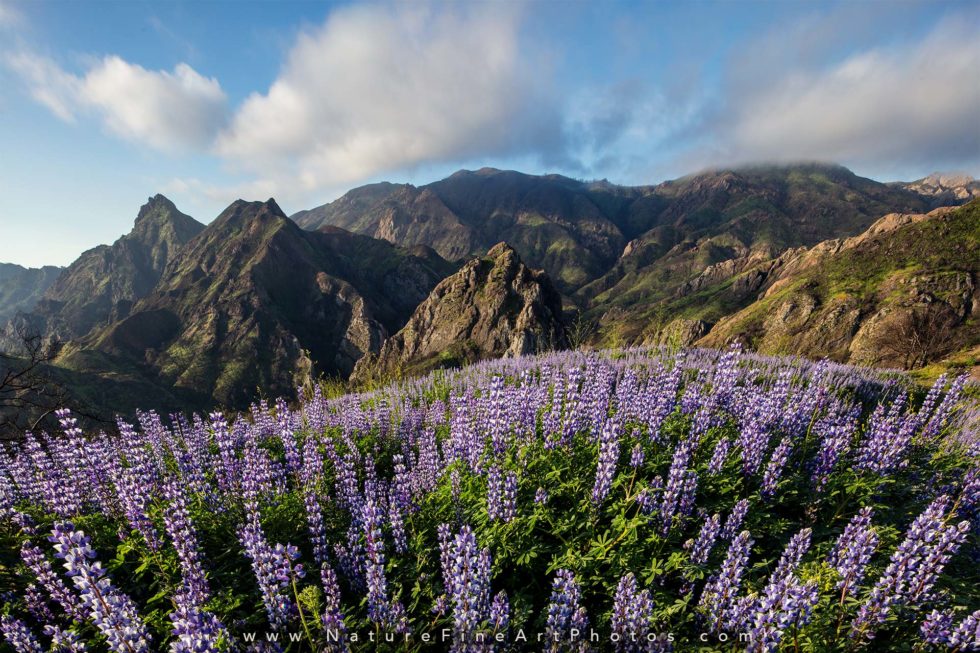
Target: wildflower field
[[637, 500]]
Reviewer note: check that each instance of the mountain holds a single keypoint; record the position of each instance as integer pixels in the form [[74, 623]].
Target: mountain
[[904, 293], [565, 226], [494, 306], [722, 222], [944, 189], [104, 282], [255, 305], [614, 247], [21, 288]]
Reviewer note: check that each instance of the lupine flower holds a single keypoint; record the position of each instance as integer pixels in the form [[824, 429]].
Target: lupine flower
[[785, 604], [195, 630], [937, 627], [798, 545], [853, 550], [37, 605], [678, 480], [64, 641], [719, 456], [913, 567], [333, 617], [718, 597], [466, 574], [774, 470], [177, 519], [508, 499], [497, 426], [228, 473], [500, 612], [18, 635], [34, 558], [888, 436], [966, 636], [566, 618], [735, 519], [608, 457], [632, 615], [939, 418], [702, 546], [274, 571], [637, 456], [541, 496], [113, 613], [835, 441], [377, 585]]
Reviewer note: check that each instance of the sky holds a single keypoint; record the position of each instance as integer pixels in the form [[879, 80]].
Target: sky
[[103, 104]]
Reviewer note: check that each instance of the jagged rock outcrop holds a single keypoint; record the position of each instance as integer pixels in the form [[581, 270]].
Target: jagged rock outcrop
[[680, 333], [104, 282], [494, 306]]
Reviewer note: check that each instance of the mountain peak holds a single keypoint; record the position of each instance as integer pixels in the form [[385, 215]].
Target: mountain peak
[[156, 206], [501, 249], [242, 212]]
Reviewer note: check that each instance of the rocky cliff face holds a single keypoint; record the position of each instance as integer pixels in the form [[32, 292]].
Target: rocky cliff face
[[21, 288], [255, 303], [494, 306], [902, 294], [104, 282], [945, 189]]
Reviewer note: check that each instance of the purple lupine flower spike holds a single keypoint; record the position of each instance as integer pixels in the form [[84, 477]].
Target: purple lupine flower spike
[[608, 457], [18, 635], [113, 613], [566, 621], [913, 568], [718, 598], [853, 550], [632, 616]]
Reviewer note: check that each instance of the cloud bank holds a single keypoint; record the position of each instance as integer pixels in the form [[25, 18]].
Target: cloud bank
[[380, 88], [169, 111], [913, 105]]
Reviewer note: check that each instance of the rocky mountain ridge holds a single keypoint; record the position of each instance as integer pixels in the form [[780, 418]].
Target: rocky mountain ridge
[[254, 302]]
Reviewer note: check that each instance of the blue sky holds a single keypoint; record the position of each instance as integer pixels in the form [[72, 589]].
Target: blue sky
[[105, 103]]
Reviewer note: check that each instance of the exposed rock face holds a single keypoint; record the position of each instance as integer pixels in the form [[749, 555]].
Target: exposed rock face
[[680, 333], [21, 288], [494, 306], [254, 302], [945, 188], [104, 282], [902, 294]]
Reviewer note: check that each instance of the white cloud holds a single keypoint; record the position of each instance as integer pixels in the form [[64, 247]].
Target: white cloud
[[178, 110], [917, 104], [169, 111], [378, 88], [48, 84]]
